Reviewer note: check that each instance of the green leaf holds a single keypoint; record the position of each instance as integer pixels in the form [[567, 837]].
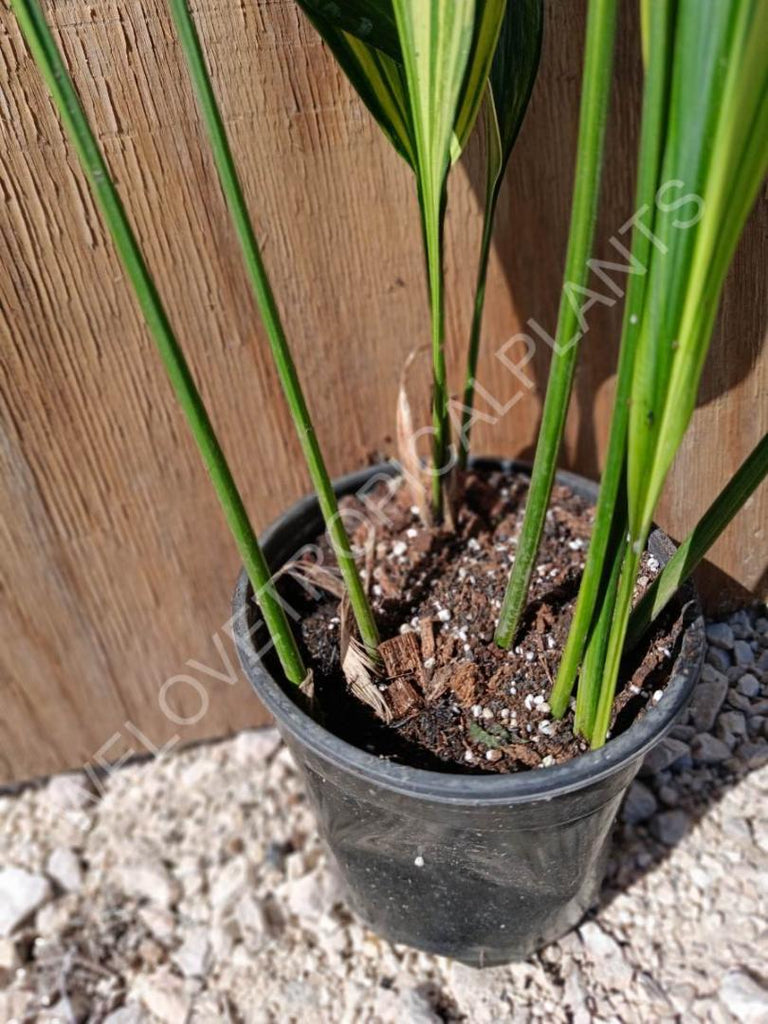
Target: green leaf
[[49, 60], [488, 19], [373, 25], [514, 68], [737, 161], [717, 151], [700, 63], [595, 95], [270, 315], [729, 501], [378, 79], [507, 93], [435, 39], [613, 484], [370, 21]]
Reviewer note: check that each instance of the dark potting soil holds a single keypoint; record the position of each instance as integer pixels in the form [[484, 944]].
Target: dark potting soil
[[457, 701]]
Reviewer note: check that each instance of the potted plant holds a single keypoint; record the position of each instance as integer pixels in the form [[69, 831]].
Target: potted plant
[[464, 790]]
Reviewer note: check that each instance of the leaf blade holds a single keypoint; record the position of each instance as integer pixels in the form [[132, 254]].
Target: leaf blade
[[371, 21]]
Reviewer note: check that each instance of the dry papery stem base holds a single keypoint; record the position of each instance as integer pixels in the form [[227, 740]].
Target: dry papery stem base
[[456, 701]]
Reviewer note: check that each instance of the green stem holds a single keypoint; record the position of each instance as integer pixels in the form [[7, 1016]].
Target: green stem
[[615, 650], [729, 501], [651, 149], [474, 335], [286, 369], [432, 227], [598, 60], [588, 691], [49, 60]]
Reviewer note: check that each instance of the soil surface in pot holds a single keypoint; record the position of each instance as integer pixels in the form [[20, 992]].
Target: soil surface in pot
[[456, 700]]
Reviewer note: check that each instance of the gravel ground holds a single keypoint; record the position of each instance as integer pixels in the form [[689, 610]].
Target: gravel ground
[[194, 889]]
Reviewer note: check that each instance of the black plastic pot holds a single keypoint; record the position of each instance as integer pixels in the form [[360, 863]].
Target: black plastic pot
[[482, 868]]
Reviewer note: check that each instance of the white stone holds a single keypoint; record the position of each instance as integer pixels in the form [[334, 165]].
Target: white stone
[[131, 1013], [164, 995], [72, 791], [410, 1006], [744, 997], [54, 917], [252, 922], [13, 1006], [309, 897], [256, 745], [193, 954], [64, 868], [9, 960], [229, 884], [607, 956], [21, 893], [150, 880], [159, 921]]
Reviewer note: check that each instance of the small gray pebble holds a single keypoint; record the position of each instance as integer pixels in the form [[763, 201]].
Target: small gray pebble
[[720, 634], [669, 796], [748, 685], [740, 618], [743, 653], [761, 625], [754, 755], [738, 700], [639, 805], [708, 749], [719, 659], [682, 732], [709, 674], [706, 702], [732, 723], [663, 755], [669, 827]]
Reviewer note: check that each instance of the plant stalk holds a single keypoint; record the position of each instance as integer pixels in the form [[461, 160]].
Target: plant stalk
[[286, 368], [51, 64], [476, 328], [587, 694], [598, 62], [619, 618], [433, 245], [651, 149]]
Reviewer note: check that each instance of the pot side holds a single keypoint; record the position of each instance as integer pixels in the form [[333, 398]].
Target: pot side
[[481, 868]]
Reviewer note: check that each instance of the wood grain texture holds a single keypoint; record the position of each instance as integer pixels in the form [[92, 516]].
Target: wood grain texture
[[115, 564]]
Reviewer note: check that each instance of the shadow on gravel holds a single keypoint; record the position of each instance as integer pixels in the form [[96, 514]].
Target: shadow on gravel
[[723, 737]]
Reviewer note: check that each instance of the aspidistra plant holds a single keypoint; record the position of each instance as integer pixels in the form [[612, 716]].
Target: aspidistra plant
[[422, 68], [717, 145], [703, 156], [509, 88]]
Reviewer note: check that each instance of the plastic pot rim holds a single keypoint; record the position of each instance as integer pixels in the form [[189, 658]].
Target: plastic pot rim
[[447, 787]]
